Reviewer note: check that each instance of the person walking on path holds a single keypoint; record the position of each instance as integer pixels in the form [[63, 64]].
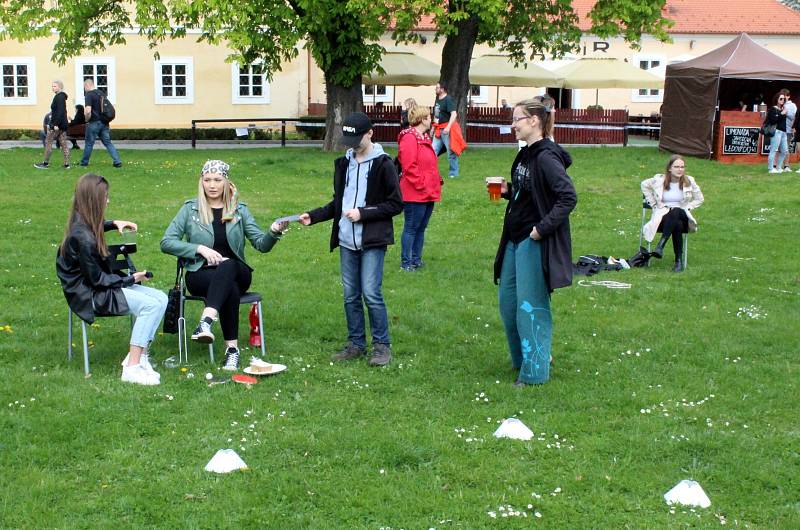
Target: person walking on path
[[96, 127], [420, 185], [57, 128], [447, 131], [535, 252], [366, 195]]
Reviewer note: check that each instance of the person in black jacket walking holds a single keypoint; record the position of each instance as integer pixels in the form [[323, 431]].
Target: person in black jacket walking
[[92, 289], [366, 195], [535, 253], [57, 128]]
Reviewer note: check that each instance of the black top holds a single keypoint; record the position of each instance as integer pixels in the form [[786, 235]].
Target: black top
[[93, 98], [80, 116], [547, 192], [442, 109], [220, 236], [58, 111], [774, 117]]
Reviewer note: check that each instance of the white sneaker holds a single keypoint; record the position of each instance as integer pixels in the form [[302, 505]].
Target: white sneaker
[[138, 375], [144, 362], [773, 170], [787, 169]]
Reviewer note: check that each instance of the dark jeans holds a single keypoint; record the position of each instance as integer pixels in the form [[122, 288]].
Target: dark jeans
[[417, 215], [362, 277], [95, 130], [674, 225], [222, 286]]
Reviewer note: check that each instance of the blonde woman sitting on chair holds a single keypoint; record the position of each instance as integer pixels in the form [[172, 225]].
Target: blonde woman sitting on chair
[[672, 196]]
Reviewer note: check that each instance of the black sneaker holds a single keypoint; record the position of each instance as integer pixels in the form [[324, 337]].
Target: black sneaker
[[231, 360], [381, 355], [118, 164], [67, 166], [202, 333], [350, 351], [41, 165]]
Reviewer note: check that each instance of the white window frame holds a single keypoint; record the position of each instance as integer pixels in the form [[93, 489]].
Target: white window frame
[[236, 99], [483, 97], [388, 97], [30, 62], [111, 73], [658, 70], [161, 99]]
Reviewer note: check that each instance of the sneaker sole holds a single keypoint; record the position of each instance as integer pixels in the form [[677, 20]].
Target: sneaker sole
[[204, 338], [379, 363], [230, 369], [149, 382]]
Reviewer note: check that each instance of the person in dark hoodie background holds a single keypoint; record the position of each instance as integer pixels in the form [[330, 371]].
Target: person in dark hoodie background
[[535, 253], [57, 128], [366, 195]]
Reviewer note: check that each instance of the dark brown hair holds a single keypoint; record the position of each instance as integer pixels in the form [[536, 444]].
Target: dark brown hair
[[668, 176], [776, 96], [542, 107], [89, 207]]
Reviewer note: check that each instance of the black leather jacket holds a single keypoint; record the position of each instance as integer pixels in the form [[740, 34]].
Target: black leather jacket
[[89, 285]]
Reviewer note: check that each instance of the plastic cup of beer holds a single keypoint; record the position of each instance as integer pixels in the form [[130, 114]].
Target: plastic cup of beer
[[129, 240], [494, 186]]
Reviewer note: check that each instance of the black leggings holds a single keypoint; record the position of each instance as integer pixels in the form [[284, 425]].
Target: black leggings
[[222, 286], [674, 224]]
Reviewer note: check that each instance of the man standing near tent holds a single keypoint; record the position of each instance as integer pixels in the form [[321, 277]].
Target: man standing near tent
[[791, 112], [447, 131]]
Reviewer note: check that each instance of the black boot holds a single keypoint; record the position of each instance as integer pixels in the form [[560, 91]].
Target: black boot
[[658, 252], [678, 265]]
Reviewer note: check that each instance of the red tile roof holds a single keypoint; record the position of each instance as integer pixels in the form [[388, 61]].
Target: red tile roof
[[756, 17]]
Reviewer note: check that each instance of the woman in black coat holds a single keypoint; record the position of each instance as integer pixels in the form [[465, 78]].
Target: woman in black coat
[[535, 254], [92, 289]]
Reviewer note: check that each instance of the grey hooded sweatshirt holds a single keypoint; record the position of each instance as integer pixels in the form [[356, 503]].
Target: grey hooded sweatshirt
[[355, 190]]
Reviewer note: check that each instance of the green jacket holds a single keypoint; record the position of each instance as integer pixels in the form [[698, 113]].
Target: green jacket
[[187, 225]]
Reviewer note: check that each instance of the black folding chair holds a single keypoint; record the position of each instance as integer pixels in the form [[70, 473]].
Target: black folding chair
[[120, 261], [250, 297]]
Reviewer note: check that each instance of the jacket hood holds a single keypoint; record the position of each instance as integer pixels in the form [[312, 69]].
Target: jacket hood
[[377, 150], [546, 144]]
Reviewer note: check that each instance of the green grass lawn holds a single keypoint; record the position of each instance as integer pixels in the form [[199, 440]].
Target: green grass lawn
[[681, 376]]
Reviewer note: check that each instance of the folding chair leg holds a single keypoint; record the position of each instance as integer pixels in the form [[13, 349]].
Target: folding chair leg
[[685, 256], [261, 331], [183, 352], [85, 349], [211, 353], [69, 334]]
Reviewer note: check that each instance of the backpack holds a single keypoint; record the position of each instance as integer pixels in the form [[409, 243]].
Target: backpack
[[397, 166], [107, 111]]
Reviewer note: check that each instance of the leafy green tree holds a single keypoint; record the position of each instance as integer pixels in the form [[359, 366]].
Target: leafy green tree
[[342, 35], [524, 29]]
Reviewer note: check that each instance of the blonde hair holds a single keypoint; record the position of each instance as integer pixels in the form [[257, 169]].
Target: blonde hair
[[203, 208], [417, 114], [60, 85], [410, 103], [543, 108]]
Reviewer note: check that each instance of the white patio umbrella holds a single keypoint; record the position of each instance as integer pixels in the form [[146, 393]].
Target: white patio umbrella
[[606, 73]]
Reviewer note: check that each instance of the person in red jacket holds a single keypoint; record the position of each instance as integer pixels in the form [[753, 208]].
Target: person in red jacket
[[420, 184]]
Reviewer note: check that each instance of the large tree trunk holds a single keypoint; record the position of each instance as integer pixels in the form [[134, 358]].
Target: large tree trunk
[[342, 101], [456, 58]]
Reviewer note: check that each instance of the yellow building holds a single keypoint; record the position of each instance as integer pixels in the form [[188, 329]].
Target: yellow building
[[192, 80]]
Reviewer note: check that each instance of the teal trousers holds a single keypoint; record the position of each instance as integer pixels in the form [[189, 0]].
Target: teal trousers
[[525, 310]]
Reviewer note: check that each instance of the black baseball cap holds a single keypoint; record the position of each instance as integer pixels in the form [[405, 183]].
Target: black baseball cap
[[354, 128]]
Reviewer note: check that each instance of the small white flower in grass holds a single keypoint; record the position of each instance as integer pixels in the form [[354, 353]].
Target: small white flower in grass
[[537, 515], [493, 515], [530, 506], [382, 471]]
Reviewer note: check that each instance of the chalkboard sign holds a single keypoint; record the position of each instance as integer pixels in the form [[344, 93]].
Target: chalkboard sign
[[740, 141]]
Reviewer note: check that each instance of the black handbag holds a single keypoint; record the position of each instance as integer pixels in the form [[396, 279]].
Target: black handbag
[[173, 311]]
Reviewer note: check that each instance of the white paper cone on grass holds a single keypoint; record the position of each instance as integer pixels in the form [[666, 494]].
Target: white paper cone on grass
[[689, 493], [513, 428], [225, 461]]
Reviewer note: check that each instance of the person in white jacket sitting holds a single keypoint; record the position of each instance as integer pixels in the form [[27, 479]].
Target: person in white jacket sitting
[[672, 196]]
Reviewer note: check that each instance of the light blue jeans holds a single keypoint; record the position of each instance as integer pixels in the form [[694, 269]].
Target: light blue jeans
[[451, 156], [362, 278], [525, 310], [148, 306], [778, 143]]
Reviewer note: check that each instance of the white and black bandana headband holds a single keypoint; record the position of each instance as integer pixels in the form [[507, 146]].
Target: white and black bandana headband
[[216, 166]]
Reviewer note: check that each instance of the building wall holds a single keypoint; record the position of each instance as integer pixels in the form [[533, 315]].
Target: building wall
[[135, 93]]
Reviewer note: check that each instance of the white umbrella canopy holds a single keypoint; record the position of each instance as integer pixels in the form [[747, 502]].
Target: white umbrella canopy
[[606, 73], [498, 70], [405, 68]]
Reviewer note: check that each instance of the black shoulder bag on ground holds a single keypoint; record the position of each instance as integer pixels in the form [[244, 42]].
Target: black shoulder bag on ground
[[172, 313]]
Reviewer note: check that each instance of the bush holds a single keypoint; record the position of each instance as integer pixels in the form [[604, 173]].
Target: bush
[[312, 132], [594, 107]]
